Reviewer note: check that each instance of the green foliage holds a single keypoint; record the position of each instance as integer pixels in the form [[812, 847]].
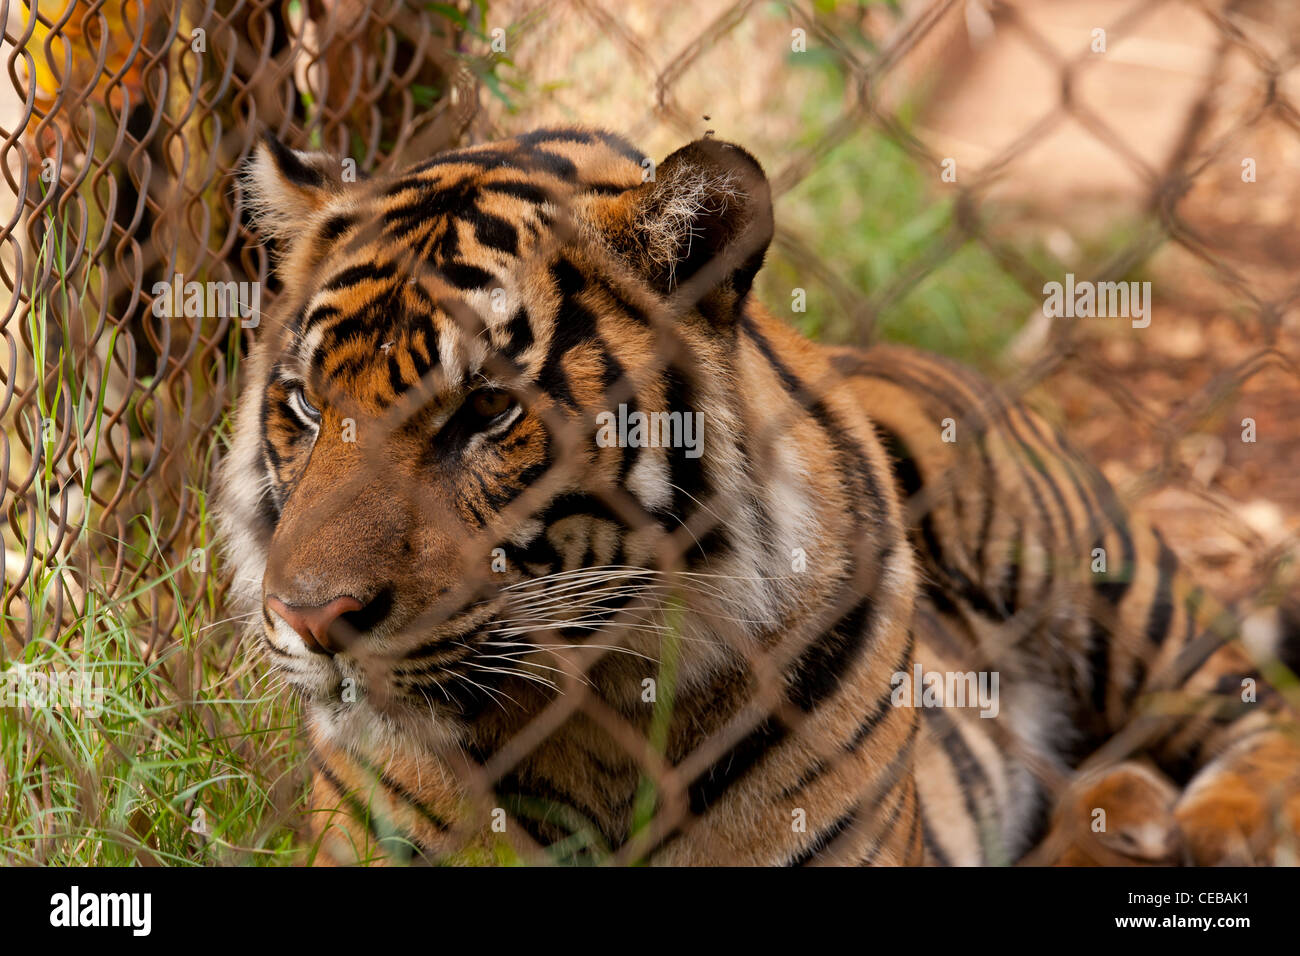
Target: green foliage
[[165, 754], [171, 760], [872, 230]]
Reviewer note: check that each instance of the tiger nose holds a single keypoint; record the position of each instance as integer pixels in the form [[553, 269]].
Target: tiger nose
[[316, 624]]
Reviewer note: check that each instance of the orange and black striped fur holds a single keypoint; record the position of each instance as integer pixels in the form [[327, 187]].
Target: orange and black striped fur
[[512, 635]]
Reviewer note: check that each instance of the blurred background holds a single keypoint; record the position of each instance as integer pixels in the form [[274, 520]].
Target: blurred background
[[935, 163]]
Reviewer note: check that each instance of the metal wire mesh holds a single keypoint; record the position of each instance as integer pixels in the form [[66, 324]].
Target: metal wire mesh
[[128, 120]]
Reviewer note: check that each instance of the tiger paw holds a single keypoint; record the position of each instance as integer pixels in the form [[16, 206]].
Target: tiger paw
[[1121, 816], [1244, 807]]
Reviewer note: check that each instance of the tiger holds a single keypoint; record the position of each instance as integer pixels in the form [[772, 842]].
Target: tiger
[[575, 552]]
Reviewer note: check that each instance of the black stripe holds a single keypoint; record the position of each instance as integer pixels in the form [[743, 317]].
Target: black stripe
[[1034, 451], [291, 166], [1162, 608], [422, 357], [823, 839], [859, 477], [268, 510], [356, 808], [494, 232], [411, 800], [931, 843], [464, 276], [573, 325], [366, 271], [708, 788], [887, 828], [686, 474], [519, 334], [395, 380], [266, 641], [1112, 587], [941, 392], [512, 788], [528, 192], [825, 663], [492, 158], [335, 226], [968, 771], [817, 674], [555, 134], [555, 164], [987, 504], [319, 314], [621, 146], [1099, 668], [1010, 588], [908, 474], [884, 707]]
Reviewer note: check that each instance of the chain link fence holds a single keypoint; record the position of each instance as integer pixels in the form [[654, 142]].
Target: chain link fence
[[991, 125]]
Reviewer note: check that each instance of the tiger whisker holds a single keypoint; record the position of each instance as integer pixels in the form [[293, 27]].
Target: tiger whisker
[[516, 658], [527, 663], [606, 647], [584, 588], [535, 678], [493, 693]]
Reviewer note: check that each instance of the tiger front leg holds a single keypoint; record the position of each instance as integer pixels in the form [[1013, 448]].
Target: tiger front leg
[[1121, 815], [1240, 738], [1244, 806], [1182, 688]]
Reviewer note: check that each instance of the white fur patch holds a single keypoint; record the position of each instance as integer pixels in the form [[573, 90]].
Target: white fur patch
[[669, 222], [648, 480]]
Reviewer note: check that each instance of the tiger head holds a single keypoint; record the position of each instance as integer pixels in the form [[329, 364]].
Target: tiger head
[[417, 484]]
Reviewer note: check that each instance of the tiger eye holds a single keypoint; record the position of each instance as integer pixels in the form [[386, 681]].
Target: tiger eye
[[489, 403]]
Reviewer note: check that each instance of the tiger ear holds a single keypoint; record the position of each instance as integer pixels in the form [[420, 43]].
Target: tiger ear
[[284, 187], [702, 226]]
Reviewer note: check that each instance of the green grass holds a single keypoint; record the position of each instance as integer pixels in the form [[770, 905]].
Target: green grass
[[152, 772], [872, 232], [180, 757]]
